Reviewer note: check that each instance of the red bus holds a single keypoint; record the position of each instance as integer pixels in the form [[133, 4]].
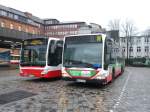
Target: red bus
[[41, 57]]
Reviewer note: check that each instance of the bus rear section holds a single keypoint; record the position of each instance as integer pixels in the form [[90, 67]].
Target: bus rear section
[[15, 59], [84, 59], [41, 58], [4, 57]]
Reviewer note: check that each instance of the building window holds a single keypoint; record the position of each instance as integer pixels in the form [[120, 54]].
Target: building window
[[146, 39], [3, 13], [46, 28], [26, 30], [39, 32], [2, 24], [54, 27], [76, 32], [75, 26], [19, 28], [123, 49], [11, 26], [132, 41], [21, 18], [146, 48], [15, 16], [10, 15], [71, 26], [123, 40], [131, 56], [131, 49], [138, 49], [138, 41], [116, 50], [138, 56], [33, 32], [48, 22]]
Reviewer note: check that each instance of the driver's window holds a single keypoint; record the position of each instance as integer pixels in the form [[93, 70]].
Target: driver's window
[[54, 53], [58, 51]]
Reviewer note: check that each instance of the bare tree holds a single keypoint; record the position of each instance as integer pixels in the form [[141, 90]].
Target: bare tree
[[128, 29], [114, 24]]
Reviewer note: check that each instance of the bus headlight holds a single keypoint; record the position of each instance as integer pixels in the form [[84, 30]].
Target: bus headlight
[[102, 75], [44, 72], [64, 73], [21, 71]]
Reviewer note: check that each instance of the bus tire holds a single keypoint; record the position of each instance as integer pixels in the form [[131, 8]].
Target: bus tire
[[113, 74], [122, 69]]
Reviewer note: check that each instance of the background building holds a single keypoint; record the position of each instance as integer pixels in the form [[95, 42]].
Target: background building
[[16, 26], [27, 23], [54, 28], [139, 46], [21, 21], [91, 28]]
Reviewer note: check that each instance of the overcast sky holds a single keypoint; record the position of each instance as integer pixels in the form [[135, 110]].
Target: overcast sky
[[95, 11]]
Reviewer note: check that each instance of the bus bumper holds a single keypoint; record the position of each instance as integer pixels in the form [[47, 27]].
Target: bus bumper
[[97, 81], [38, 73]]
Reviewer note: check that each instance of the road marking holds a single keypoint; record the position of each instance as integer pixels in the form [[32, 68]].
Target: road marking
[[121, 94]]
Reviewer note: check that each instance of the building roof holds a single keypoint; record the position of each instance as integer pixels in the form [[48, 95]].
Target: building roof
[[17, 12], [12, 10], [72, 22], [37, 19], [47, 19]]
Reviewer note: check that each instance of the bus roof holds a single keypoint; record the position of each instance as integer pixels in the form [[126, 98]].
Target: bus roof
[[85, 34], [43, 38]]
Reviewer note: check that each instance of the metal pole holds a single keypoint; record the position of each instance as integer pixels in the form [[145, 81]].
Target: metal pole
[[127, 49]]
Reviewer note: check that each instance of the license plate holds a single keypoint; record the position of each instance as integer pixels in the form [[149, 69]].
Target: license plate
[[81, 80]]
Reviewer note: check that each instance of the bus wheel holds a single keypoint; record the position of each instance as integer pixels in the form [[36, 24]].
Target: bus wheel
[[113, 75], [122, 69]]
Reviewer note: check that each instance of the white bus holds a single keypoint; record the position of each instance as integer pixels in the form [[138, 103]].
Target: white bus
[[91, 58]]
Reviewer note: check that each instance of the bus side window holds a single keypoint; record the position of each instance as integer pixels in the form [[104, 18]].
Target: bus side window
[[113, 55], [120, 57], [51, 58], [107, 53]]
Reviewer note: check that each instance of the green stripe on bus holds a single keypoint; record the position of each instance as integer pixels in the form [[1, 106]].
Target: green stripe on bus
[[81, 73]]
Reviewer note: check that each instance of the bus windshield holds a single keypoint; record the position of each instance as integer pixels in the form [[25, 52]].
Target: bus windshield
[[82, 55], [34, 52]]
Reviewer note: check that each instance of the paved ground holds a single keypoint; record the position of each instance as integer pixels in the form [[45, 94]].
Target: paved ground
[[128, 93]]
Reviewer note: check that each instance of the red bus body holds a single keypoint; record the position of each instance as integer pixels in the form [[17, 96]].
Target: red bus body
[[50, 53]]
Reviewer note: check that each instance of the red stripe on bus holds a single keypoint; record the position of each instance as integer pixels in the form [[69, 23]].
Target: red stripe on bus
[[37, 73]]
